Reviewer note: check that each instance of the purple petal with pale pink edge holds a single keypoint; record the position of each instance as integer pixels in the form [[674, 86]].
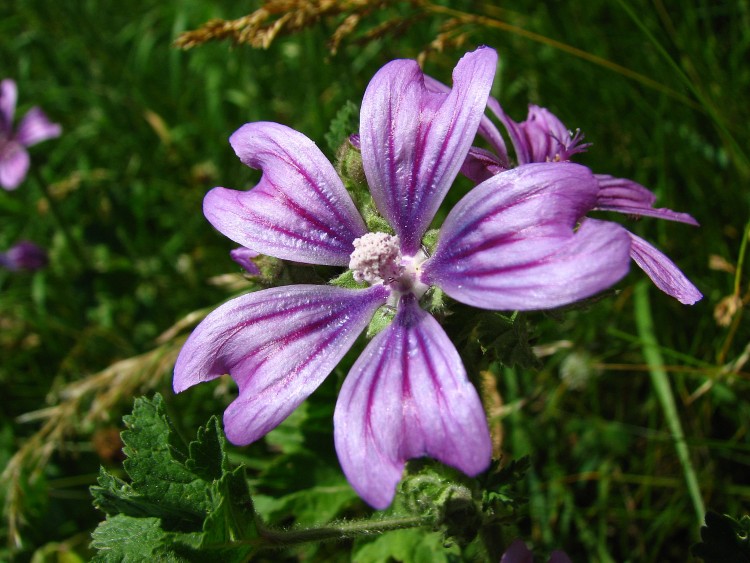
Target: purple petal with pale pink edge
[[278, 344], [487, 130], [663, 272], [299, 210], [14, 165], [8, 97], [510, 243], [35, 127], [407, 396], [414, 141], [631, 198]]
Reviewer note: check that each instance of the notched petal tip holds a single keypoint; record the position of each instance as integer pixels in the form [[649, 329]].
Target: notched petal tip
[[415, 139], [408, 396], [278, 345], [298, 211]]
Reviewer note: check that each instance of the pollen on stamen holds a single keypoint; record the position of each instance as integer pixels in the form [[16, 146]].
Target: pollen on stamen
[[376, 258]]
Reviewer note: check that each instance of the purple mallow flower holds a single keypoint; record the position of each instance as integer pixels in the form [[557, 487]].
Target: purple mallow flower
[[517, 552], [24, 255], [514, 242], [544, 138], [33, 128]]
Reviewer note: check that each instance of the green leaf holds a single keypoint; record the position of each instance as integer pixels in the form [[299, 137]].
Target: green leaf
[[125, 538], [415, 545], [183, 503], [344, 124], [724, 539], [207, 457], [314, 505]]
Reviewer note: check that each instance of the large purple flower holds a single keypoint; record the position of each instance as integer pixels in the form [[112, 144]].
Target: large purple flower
[[512, 243], [544, 138], [33, 128]]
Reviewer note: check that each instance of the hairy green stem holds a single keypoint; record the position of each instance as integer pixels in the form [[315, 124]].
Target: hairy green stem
[[337, 531]]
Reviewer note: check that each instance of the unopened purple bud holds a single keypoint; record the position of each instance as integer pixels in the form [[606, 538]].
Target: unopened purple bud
[[24, 256], [244, 257]]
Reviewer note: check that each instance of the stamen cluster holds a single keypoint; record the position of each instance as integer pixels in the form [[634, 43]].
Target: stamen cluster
[[376, 258]]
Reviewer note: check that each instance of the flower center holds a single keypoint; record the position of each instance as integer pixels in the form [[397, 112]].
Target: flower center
[[377, 258]]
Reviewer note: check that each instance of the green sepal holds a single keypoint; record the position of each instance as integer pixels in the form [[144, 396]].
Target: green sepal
[[443, 495], [430, 239], [381, 319], [347, 281], [433, 300]]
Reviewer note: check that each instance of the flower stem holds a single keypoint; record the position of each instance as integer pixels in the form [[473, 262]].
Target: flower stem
[[337, 531]]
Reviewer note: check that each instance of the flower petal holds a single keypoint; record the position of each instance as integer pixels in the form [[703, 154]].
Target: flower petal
[[14, 165], [8, 97], [663, 272], [542, 137], [515, 132], [278, 345], [407, 396], [299, 210], [35, 127], [414, 141], [626, 196], [480, 165], [487, 129], [510, 243]]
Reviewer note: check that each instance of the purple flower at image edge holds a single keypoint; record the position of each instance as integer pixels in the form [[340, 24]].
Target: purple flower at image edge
[[33, 128], [542, 137], [24, 255], [517, 552], [512, 243]]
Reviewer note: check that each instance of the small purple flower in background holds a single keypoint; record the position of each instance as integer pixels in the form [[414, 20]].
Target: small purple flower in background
[[544, 138], [519, 553], [512, 243], [244, 257], [24, 255], [33, 128]]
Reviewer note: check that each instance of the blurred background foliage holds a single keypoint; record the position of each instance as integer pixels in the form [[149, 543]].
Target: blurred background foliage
[[659, 87]]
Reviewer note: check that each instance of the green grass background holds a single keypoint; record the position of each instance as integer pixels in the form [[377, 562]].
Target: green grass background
[[145, 136]]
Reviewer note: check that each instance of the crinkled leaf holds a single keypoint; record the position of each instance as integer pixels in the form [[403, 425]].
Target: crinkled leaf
[[183, 503], [414, 544], [313, 505], [345, 123], [124, 538]]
